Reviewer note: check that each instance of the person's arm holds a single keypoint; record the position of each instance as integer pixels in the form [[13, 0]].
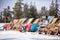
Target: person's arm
[[45, 23]]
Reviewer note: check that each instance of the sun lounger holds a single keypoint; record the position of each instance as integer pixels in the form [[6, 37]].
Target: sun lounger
[[27, 24], [50, 18], [36, 21], [23, 20], [15, 21], [46, 22], [52, 26], [17, 27], [34, 25], [58, 24], [20, 20], [54, 20], [29, 20]]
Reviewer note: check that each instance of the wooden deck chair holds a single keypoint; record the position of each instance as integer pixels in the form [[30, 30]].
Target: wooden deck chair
[[36, 21], [50, 18], [58, 24], [20, 20], [23, 20], [15, 21], [34, 25], [17, 27], [29, 21], [54, 20], [19, 24]]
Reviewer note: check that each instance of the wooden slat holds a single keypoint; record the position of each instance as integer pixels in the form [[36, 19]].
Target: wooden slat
[[51, 18], [15, 21], [54, 20], [23, 20], [36, 21], [29, 20], [20, 20]]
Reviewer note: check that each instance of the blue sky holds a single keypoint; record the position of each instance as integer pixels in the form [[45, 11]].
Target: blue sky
[[38, 3]]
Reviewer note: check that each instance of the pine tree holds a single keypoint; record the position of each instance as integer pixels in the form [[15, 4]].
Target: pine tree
[[6, 14], [56, 8], [44, 11], [0, 16], [53, 9], [26, 14], [33, 12], [18, 9]]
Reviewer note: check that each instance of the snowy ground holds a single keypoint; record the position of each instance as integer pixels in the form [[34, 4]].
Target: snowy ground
[[14, 35], [1, 24]]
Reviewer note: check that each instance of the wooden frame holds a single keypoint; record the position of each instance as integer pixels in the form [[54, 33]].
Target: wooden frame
[[29, 20], [54, 20], [15, 21], [36, 21]]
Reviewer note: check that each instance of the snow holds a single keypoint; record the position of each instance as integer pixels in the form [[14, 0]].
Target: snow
[[1, 24], [15, 35]]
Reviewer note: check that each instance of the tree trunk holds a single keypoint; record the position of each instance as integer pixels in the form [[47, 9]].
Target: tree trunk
[[4, 19]]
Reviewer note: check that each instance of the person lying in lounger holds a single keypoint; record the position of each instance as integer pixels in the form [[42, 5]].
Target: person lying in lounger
[[46, 21], [27, 25], [43, 23], [34, 25]]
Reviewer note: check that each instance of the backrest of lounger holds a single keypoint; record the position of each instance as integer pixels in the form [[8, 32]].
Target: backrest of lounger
[[54, 20], [36, 21], [23, 20], [50, 18], [20, 20], [15, 21], [16, 25], [58, 23], [29, 20]]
